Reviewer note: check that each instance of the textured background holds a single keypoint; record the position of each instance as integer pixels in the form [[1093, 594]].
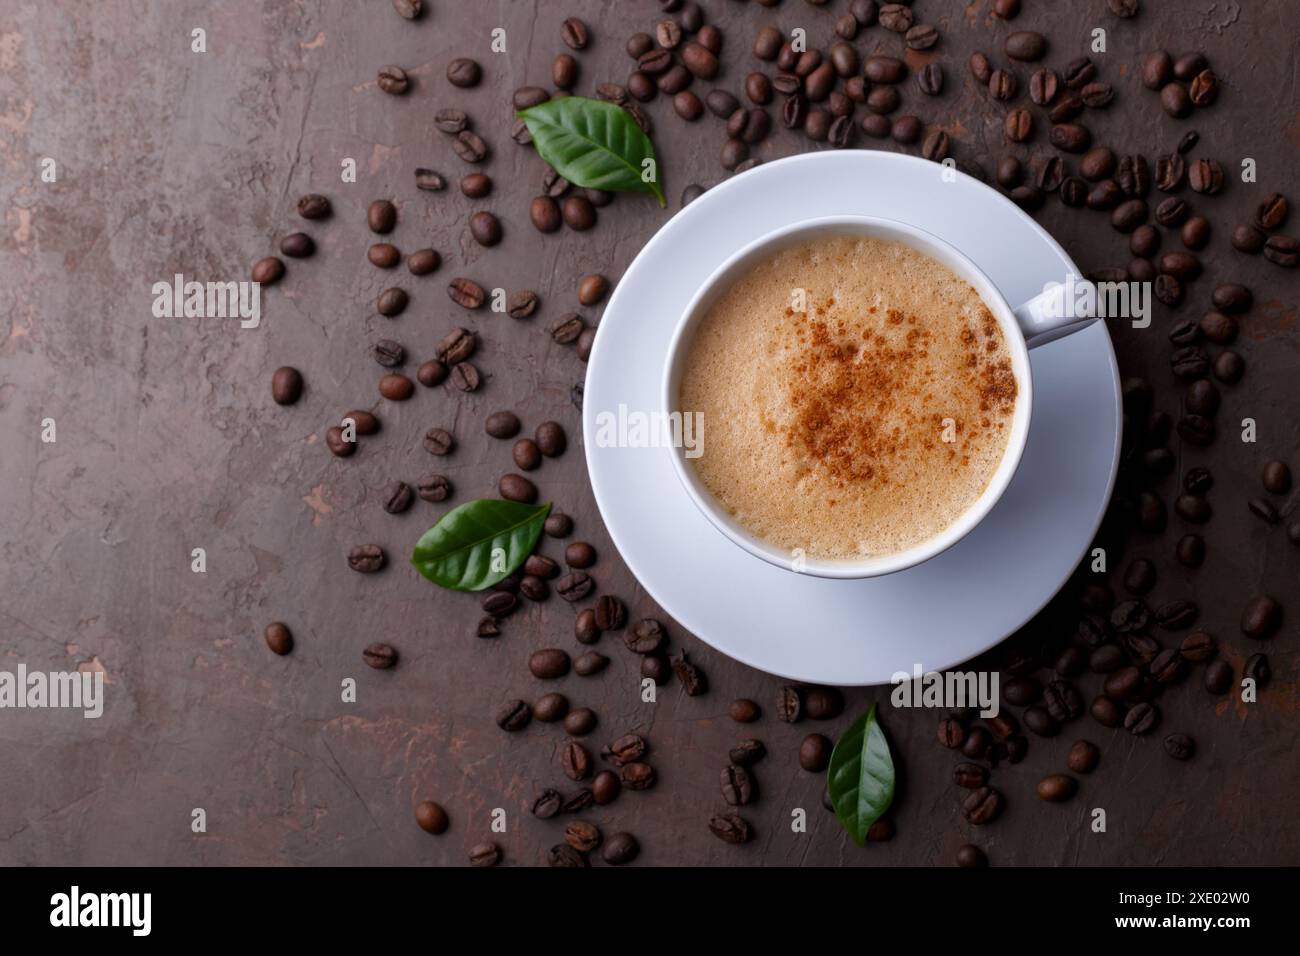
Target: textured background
[[171, 161]]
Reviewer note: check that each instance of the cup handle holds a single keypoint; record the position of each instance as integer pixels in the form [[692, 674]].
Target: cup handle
[[1055, 312]]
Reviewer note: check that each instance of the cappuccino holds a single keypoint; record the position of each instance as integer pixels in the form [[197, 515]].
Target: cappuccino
[[858, 396]]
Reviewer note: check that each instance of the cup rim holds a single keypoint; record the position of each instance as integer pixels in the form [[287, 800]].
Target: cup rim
[[950, 256]]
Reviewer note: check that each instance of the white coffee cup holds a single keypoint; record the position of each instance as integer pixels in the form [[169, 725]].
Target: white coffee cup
[[1039, 320]]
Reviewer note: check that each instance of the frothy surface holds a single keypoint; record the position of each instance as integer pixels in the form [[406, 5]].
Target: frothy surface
[[825, 425]]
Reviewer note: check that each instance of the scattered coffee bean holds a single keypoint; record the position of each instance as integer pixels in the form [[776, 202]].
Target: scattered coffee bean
[[380, 656]]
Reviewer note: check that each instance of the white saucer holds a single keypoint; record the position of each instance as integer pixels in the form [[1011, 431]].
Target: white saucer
[[937, 614]]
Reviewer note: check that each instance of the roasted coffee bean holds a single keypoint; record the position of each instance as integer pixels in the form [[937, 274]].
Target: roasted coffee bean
[[578, 213], [884, 69], [484, 854], [1106, 712], [1043, 86], [1073, 191], [1168, 290], [978, 743], [1098, 163], [878, 127], [470, 147], [936, 146], [1027, 197], [564, 72], [823, 703], [1140, 577], [1257, 668], [1105, 195], [896, 17], [1166, 667], [547, 804], [952, 734], [1025, 45], [747, 753], [1141, 719], [297, 245], [737, 785], [557, 524], [1021, 691], [930, 79], [1175, 100], [1010, 173], [743, 711], [278, 638], [380, 656], [1019, 125], [1204, 88], [1231, 298], [1134, 176], [1272, 212], [450, 121], [1157, 70], [367, 558], [1196, 232], [730, 828], [982, 806], [1261, 617], [1070, 662], [431, 818], [1129, 214], [585, 628], [647, 636], [1276, 477], [485, 228], [590, 663], [534, 588], [610, 613], [1197, 429], [431, 373], [550, 708], [1068, 106], [815, 753], [1180, 746], [464, 72], [1051, 173], [584, 799], [980, 68], [268, 270], [518, 488], [637, 776], [392, 302], [1228, 368], [1097, 96], [501, 601], [1145, 239], [567, 328], [1083, 757], [421, 262], [581, 837], [721, 103], [969, 776], [1218, 677], [905, 129], [1282, 251], [548, 663], [1062, 700], [580, 722], [466, 293], [1070, 137], [1056, 788], [575, 761], [884, 99], [1002, 85], [1040, 722], [693, 680], [397, 497], [393, 80], [544, 213], [1247, 238], [1205, 176], [789, 704], [1079, 73], [526, 454], [502, 425], [656, 668], [1190, 551], [286, 385], [314, 206], [579, 554], [1202, 397]]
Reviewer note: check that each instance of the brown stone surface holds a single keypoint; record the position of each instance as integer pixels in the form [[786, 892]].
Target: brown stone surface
[[167, 440]]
